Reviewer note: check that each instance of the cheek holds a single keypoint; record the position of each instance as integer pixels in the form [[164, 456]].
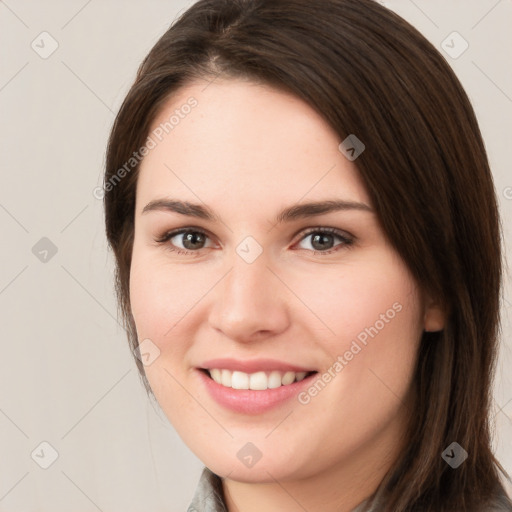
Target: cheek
[[158, 304], [354, 301], [376, 317], [162, 296], [159, 301], [374, 322], [166, 304]]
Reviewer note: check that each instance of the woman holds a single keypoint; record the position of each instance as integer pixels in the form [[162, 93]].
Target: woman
[[308, 259]]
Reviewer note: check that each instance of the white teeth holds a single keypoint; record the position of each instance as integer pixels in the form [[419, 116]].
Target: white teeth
[[288, 378], [240, 380], [225, 378], [216, 375], [274, 380], [257, 381]]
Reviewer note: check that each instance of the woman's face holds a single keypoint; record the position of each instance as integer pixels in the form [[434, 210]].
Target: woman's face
[[260, 286]]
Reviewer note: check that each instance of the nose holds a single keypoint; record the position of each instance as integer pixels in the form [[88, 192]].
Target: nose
[[250, 303]]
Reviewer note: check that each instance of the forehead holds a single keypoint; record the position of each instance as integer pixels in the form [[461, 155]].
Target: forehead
[[244, 142]]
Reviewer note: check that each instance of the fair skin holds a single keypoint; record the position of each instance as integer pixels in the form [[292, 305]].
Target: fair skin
[[247, 152]]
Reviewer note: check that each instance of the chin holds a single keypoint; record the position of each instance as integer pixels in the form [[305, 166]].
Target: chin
[[263, 470]]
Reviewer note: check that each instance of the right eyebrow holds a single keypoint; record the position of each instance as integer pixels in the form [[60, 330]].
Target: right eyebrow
[[183, 207]]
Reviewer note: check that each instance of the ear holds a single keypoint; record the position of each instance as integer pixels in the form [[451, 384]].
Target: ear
[[434, 318]]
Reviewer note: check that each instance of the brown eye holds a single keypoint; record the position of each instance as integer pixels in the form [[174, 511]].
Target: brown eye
[[323, 240], [184, 240], [193, 240]]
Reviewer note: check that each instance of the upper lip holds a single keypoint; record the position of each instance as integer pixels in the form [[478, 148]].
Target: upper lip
[[253, 365]]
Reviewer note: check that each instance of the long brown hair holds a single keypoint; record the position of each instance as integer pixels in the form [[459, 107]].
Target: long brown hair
[[368, 73]]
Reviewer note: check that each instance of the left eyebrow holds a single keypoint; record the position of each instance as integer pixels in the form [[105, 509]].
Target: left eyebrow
[[300, 211], [295, 212]]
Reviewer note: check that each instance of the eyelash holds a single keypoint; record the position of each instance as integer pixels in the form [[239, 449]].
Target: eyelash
[[347, 241]]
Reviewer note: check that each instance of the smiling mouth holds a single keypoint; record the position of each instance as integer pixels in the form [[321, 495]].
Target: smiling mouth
[[258, 381]]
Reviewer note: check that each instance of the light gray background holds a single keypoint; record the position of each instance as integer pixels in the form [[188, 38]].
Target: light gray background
[[66, 374]]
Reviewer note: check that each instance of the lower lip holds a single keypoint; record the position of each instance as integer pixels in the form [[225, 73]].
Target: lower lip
[[248, 401]]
